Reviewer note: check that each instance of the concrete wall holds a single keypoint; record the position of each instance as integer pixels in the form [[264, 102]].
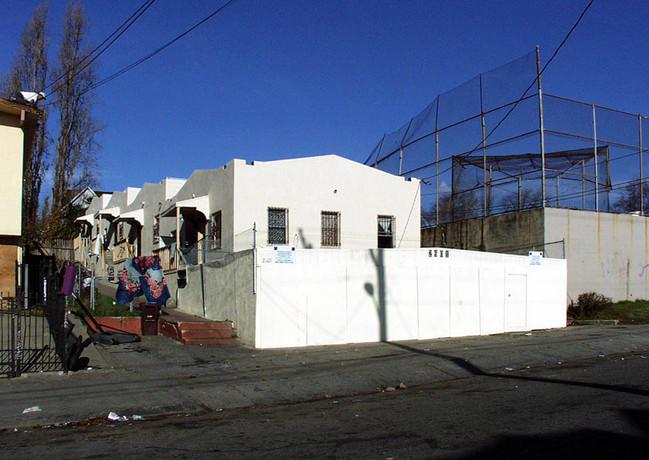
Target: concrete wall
[[515, 233], [227, 287], [308, 186], [328, 297], [606, 253], [11, 175]]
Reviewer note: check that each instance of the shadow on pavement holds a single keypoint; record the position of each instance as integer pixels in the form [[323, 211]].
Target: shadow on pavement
[[475, 370]]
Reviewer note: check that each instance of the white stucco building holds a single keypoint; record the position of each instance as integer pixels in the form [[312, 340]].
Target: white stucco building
[[316, 202]]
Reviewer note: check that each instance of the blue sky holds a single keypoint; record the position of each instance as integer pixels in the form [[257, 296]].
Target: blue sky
[[273, 79]]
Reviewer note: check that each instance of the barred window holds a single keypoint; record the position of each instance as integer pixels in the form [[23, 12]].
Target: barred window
[[277, 226], [215, 231], [330, 229], [386, 232]]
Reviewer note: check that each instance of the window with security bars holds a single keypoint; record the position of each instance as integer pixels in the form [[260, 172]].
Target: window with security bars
[[330, 229], [386, 232], [215, 231], [277, 226]]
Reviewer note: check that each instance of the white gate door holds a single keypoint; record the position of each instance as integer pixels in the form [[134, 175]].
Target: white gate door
[[515, 302]]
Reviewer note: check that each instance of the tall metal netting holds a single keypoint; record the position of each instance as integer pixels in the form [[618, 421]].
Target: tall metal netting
[[498, 144]]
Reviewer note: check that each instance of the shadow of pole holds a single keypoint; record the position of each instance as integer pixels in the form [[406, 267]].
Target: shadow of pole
[[377, 258], [477, 371]]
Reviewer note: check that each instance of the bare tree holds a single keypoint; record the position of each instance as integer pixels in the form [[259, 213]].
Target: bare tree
[[526, 199], [452, 208], [629, 200], [74, 162], [29, 73]]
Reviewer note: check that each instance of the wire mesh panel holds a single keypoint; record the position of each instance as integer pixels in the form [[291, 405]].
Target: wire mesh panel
[[497, 144]]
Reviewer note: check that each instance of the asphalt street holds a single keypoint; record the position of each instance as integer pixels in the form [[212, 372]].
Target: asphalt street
[[471, 396], [595, 408]]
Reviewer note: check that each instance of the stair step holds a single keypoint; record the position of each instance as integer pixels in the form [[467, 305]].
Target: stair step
[[217, 325], [207, 333], [230, 341]]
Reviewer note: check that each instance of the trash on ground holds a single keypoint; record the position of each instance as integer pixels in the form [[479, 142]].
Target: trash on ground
[[402, 386], [137, 417], [390, 389], [509, 369], [113, 417], [528, 334], [32, 409]]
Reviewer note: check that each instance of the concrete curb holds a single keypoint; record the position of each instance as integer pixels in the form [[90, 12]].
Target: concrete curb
[[596, 322]]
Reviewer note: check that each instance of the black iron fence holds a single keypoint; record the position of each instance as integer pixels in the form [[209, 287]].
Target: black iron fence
[[33, 329]]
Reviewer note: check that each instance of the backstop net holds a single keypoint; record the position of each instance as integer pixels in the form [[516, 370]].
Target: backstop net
[[497, 144]]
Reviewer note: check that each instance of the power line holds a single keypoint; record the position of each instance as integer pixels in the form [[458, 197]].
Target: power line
[[117, 33], [536, 79], [513, 105], [153, 53]]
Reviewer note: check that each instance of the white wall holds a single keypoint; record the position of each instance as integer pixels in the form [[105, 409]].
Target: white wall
[[11, 175], [337, 296], [308, 186]]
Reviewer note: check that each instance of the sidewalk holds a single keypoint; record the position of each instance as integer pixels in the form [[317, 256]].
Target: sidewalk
[[160, 376]]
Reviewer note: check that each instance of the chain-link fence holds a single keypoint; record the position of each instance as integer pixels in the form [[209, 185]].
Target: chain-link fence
[[498, 144]]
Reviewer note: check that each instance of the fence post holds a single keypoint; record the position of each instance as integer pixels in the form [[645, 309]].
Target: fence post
[[541, 125]]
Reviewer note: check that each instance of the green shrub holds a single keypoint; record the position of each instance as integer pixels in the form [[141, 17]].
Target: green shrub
[[589, 305]]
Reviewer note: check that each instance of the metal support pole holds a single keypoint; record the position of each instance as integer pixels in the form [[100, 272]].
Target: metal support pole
[[177, 254], [92, 285], [26, 286], [583, 184], [437, 178], [254, 257], [437, 159], [641, 168], [596, 160], [520, 193], [484, 154], [541, 126]]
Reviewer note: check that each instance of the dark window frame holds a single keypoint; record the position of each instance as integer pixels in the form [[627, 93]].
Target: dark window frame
[[216, 230], [330, 229], [386, 230], [277, 226]]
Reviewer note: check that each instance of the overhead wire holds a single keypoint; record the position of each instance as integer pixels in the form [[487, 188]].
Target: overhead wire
[[514, 104], [117, 33], [153, 53], [156, 51]]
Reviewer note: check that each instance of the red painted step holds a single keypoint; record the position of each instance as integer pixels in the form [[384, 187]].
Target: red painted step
[[199, 332]]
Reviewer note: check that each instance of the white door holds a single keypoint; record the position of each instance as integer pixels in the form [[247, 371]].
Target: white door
[[515, 302]]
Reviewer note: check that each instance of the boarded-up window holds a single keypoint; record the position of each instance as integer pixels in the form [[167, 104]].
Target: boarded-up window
[[277, 226], [330, 229], [386, 232]]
